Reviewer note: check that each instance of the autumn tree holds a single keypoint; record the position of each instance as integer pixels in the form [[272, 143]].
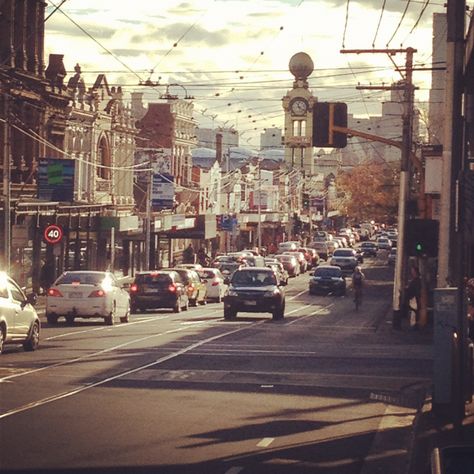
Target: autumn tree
[[370, 191]]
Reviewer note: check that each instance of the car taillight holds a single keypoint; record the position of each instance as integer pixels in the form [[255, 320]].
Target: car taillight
[[97, 294], [133, 288], [172, 288], [215, 283], [55, 292]]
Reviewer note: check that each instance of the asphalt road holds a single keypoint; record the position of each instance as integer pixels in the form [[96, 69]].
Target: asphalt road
[[327, 390]]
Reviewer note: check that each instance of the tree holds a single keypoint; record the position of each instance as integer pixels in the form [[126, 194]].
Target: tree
[[370, 192]]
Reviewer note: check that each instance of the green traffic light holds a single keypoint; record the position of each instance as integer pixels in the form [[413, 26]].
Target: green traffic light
[[419, 247]]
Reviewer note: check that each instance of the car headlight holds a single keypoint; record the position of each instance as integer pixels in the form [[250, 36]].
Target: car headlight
[[233, 293], [271, 294]]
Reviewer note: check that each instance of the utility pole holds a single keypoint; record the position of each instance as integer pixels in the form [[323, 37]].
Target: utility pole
[[259, 225], [6, 185], [148, 216], [406, 154]]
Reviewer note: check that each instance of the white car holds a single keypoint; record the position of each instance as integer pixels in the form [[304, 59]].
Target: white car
[[214, 280], [19, 322], [87, 294]]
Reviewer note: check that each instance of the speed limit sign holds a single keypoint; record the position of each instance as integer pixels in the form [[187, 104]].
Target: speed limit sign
[[53, 234]]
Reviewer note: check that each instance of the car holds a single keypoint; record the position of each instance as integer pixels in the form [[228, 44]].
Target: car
[[288, 245], [321, 248], [290, 263], [344, 258], [300, 259], [87, 294], [392, 256], [368, 249], [255, 290], [19, 321], [280, 272], [156, 289], [195, 287], [311, 256], [384, 243], [328, 279], [189, 266], [214, 280], [228, 268]]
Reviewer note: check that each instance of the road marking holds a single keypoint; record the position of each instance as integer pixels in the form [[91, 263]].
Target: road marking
[[324, 308], [297, 294], [265, 442], [88, 386], [267, 386], [234, 470]]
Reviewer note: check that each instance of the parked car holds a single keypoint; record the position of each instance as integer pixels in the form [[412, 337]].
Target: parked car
[[344, 258], [255, 290], [312, 257], [327, 279], [87, 294], [321, 248], [368, 249], [195, 287], [290, 263], [214, 280], [158, 289], [228, 268], [189, 266], [19, 321]]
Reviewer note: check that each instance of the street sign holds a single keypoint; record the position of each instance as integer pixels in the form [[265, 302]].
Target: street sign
[[53, 234]]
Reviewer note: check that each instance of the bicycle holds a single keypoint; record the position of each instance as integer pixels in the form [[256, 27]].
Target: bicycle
[[357, 298]]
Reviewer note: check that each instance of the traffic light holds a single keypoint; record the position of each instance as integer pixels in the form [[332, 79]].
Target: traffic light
[[305, 201], [421, 237], [326, 115]]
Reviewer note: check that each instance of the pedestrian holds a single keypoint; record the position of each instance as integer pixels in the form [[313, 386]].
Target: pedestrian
[[189, 255], [413, 293], [202, 257], [47, 275]]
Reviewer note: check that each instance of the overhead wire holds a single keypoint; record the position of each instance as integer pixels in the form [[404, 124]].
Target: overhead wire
[[378, 25], [399, 23]]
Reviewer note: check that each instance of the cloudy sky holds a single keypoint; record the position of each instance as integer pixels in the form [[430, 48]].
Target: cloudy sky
[[232, 55]]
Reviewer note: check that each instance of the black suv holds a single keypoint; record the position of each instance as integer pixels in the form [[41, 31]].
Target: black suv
[[158, 289], [254, 290]]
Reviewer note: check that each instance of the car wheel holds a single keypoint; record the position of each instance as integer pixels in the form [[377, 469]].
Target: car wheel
[[32, 342], [279, 314], [2, 339], [51, 318], [110, 319], [126, 318], [229, 314]]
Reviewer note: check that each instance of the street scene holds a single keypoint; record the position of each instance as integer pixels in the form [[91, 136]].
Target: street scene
[[236, 237]]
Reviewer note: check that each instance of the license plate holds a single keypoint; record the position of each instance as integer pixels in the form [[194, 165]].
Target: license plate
[[149, 290], [250, 303], [75, 295]]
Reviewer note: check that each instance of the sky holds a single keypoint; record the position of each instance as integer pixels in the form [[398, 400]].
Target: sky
[[232, 56]]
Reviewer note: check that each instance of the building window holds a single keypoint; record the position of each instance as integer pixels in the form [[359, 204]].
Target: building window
[[104, 160], [299, 128]]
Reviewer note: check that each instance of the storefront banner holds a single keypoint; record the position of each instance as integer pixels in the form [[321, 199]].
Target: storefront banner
[[56, 179], [162, 195]]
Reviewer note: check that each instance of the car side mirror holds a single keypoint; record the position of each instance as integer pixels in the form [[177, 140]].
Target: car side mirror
[[32, 299]]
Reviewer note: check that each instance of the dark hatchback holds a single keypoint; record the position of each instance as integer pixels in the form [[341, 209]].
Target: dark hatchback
[[254, 290], [327, 279], [368, 249], [158, 289]]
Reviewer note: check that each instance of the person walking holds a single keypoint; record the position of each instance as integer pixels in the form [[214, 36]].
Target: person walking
[[413, 294], [357, 283], [202, 257], [189, 255]]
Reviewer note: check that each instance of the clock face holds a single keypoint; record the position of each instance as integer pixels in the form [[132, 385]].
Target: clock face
[[299, 107]]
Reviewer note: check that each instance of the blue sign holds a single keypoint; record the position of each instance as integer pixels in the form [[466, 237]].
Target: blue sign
[[56, 179], [162, 195], [226, 222]]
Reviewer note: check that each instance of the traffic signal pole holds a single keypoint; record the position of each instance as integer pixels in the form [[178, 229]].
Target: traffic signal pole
[[406, 155]]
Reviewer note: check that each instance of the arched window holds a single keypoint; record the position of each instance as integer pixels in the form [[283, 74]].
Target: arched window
[[103, 159]]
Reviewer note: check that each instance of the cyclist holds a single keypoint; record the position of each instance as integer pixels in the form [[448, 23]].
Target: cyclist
[[357, 282]]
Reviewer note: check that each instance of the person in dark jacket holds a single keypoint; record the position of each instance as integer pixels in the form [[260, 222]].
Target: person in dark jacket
[[188, 254], [413, 294]]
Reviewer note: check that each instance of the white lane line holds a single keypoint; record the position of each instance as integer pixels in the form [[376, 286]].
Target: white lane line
[[234, 470], [298, 294], [70, 393], [265, 442], [318, 311]]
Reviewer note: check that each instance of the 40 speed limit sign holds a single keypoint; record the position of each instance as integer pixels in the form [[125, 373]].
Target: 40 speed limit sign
[[53, 234]]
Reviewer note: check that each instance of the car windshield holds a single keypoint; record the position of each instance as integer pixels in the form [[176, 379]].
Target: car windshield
[[153, 278], [327, 272], [254, 278], [343, 253], [81, 278]]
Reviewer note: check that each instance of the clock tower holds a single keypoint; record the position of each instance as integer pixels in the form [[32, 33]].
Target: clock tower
[[298, 106]]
